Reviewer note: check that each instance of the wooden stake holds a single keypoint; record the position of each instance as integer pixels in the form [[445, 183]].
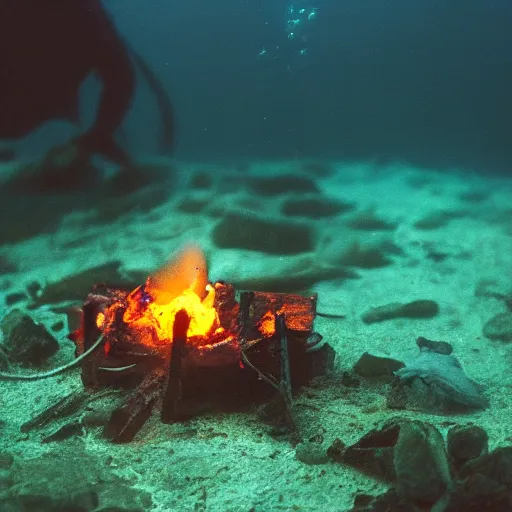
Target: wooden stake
[[172, 393]]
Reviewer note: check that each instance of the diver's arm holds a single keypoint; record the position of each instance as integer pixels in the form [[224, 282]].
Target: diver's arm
[[115, 70]]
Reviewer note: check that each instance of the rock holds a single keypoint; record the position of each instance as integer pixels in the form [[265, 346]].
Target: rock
[[496, 465], [78, 286], [421, 464], [389, 501], [370, 365], [314, 207], [466, 442], [14, 298], [499, 327], [238, 230], [357, 251], [335, 451], [6, 266], [369, 221], [398, 396], [486, 484], [311, 453], [478, 493], [193, 204], [373, 453], [414, 309], [25, 341], [349, 380], [494, 289], [357, 255], [437, 219], [201, 180], [443, 378], [282, 184], [441, 347]]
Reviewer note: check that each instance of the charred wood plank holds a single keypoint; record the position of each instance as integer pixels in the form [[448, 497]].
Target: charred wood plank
[[285, 384], [172, 394], [127, 420]]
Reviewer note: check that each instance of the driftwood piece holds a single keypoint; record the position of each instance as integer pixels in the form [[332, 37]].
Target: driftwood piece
[[172, 394], [285, 385], [127, 420], [65, 406]]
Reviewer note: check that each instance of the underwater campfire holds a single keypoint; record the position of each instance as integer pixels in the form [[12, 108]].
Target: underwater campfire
[[182, 343]]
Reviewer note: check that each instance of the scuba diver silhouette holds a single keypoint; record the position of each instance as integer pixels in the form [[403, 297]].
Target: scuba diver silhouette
[[48, 49]]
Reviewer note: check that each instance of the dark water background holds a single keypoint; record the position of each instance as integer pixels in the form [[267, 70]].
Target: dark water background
[[427, 81]]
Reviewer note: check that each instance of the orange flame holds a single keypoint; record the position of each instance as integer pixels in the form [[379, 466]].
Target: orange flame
[[186, 271], [182, 283], [267, 324]]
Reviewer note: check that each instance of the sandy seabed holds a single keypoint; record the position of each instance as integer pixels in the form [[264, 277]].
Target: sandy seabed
[[388, 234]]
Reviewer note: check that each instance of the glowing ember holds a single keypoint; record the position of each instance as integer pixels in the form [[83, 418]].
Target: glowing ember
[[181, 284], [187, 271], [267, 324]]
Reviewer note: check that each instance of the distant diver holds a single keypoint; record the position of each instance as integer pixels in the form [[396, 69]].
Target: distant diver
[[48, 49]]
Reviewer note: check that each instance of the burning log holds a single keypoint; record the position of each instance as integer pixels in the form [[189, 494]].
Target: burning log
[[173, 392]]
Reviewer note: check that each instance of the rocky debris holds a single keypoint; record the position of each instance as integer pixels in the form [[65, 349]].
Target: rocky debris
[[415, 309], [494, 289], [13, 298], [6, 266], [242, 230], [282, 184], [361, 256], [314, 207], [311, 453], [349, 380], [411, 455], [499, 327], [375, 366], [437, 219], [466, 442], [441, 347], [193, 204], [354, 250], [373, 453], [439, 378], [369, 221], [78, 286], [474, 196], [26, 342], [420, 462], [201, 180], [336, 450], [485, 483], [388, 501]]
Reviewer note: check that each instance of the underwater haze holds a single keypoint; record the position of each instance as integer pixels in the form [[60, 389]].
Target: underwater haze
[[427, 82], [255, 256]]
